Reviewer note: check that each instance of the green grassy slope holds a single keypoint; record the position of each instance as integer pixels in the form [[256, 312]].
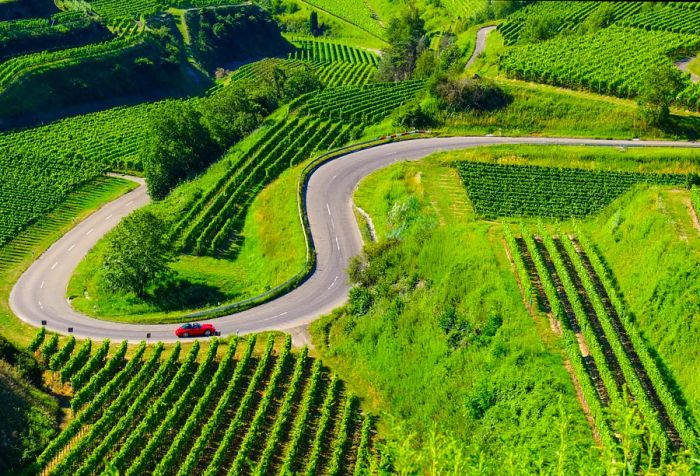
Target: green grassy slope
[[445, 344], [652, 243]]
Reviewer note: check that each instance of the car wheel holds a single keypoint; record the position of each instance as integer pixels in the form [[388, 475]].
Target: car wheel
[[207, 333], [186, 334]]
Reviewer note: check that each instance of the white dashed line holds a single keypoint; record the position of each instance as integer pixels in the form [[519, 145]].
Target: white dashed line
[[333, 283], [107, 218], [328, 207], [41, 305], [274, 317], [42, 285], [129, 203], [337, 243], [54, 265], [90, 231], [71, 247]]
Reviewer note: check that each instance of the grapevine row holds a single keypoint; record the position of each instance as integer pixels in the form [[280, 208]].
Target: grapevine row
[[245, 406]]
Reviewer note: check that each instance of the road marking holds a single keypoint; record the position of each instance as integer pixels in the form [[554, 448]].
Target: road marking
[[334, 281], [71, 247], [41, 305], [328, 207], [110, 216], [42, 285], [274, 317], [337, 243], [91, 230], [54, 265], [129, 203]]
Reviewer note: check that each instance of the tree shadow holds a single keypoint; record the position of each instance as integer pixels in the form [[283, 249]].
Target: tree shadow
[[684, 127], [178, 294]]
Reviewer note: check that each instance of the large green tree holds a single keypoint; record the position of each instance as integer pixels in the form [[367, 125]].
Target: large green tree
[[407, 40], [181, 147], [137, 254], [660, 86], [236, 111]]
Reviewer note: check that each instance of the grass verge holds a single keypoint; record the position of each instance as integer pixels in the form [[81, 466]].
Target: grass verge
[[18, 255]]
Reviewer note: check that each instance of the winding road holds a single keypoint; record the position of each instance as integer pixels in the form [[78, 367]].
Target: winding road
[[40, 293]]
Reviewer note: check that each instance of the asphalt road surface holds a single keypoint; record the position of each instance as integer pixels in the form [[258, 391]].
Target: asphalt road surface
[[40, 293]]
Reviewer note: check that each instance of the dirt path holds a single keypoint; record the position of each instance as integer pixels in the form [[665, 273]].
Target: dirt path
[[480, 44], [683, 66]]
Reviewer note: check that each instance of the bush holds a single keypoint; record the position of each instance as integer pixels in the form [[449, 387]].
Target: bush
[[475, 94], [414, 117]]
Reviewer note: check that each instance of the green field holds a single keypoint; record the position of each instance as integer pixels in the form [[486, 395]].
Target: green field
[[515, 309]]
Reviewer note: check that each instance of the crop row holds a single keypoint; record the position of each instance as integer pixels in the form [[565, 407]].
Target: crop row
[[211, 225], [323, 51], [498, 190], [596, 326], [599, 277], [464, 9], [222, 415], [584, 366], [356, 13], [345, 74], [13, 70], [569, 15], [676, 20], [363, 104], [581, 290], [612, 61], [23, 37]]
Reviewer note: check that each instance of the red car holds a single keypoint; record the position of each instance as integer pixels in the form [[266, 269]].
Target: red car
[[195, 330]]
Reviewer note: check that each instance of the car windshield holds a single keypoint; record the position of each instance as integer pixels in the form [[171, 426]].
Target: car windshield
[[196, 326], [187, 326]]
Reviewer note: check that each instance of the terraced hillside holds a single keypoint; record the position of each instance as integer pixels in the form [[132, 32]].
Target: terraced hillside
[[219, 408]]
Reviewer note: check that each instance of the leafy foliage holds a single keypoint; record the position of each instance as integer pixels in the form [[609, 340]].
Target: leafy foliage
[[138, 254]]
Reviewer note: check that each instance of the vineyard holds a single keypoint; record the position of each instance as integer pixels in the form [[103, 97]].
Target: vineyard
[[323, 51], [359, 14], [611, 361], [603, 62], [675, 20], [15, 69], [212, 224], [134, 9], [569, 14], [220, 408], [64, 30], [498, 190], [31, 185], [363, 104], [465, 9], [115, 138]]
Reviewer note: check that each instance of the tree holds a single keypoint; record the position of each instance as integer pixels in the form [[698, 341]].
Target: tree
[[407, 40], [181, 147], [659, 88], [137, 254], [313, 23], [234, 112], [300, 81]]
